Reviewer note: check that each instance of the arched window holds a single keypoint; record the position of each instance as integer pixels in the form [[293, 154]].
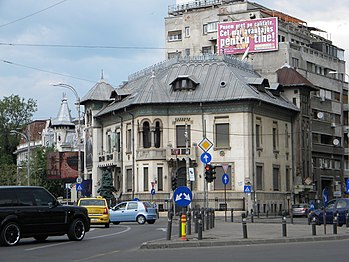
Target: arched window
[[146, 135], [157, 135]]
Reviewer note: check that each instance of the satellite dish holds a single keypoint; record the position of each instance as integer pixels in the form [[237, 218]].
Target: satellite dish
[[336, 142], [320, 115]]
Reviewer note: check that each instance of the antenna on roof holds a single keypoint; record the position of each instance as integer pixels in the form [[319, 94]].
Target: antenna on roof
[[102, 76]]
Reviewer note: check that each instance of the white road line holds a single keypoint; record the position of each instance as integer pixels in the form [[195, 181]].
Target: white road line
[[127, 228]]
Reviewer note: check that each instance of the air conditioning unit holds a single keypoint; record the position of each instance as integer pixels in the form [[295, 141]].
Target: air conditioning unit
[[333, 124]]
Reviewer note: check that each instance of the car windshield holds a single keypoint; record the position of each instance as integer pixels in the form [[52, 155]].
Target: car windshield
[[92, 202]]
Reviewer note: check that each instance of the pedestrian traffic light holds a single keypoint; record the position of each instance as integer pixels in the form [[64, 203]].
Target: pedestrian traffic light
[[174, 183]]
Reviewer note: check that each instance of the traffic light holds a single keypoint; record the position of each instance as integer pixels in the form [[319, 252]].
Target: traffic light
[[210, 173], [174, 183]]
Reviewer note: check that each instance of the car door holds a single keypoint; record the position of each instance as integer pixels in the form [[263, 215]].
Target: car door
[[131, 211], [330, 209], [52, 215], [117, 213]]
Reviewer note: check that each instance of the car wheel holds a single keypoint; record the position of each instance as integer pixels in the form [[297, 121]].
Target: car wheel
[[10, 234], [116, 223], [141, 219], [106, 225], [152, 221], [76, 230], [40, 238]]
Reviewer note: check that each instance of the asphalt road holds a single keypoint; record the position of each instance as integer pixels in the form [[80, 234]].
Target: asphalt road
[[122, 242]]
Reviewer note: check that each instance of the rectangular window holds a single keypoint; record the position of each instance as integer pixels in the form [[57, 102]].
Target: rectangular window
[[212, 27], [146, 179], [204, 29], [181, 135], [160, 179], [258, 133], [129, 180], [187, 52], [118, 142], [218, 183], [109, 146], [259, 177], [286, 136], [129, 140], [187, 31], [174, 55], [288, 179], [275, 136], [222, 135], [174, 36], [295, 62], [206, 50], [276, 179]]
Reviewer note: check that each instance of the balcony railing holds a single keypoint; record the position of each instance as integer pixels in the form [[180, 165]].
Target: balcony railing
[[180, 153], [109, 159]]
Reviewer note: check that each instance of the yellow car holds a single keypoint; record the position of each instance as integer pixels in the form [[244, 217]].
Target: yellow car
[[98, 210]]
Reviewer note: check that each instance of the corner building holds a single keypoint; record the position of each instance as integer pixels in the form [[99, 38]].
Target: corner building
[[147, 131], [193, 28]]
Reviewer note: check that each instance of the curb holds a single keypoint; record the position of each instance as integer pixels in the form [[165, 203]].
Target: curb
[[219, 243]]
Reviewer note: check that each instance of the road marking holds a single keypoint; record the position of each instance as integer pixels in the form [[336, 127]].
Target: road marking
[[127, 228], [162, 229], [98, 255]]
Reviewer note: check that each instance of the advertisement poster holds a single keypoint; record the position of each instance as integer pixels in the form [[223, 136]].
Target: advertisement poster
[[250, 36]]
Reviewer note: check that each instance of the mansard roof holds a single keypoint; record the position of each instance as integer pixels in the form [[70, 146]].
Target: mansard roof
[[219, 79]]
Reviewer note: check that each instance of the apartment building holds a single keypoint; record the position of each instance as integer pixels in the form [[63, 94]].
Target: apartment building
[[269, 39]]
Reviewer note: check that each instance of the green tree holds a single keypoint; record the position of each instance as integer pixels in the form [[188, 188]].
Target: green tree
[[107, 189], [15, 114]]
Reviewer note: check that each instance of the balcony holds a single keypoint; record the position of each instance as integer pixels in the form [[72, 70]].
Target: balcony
[[109, 159], [180, 153], [151, 154]]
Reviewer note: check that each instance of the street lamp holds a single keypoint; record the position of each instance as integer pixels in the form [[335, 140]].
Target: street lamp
[[27, 138], [79, 121]]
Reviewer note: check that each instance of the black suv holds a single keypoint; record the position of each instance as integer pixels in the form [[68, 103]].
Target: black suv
[[28, 211]]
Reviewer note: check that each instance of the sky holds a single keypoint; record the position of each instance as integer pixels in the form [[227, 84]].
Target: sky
[[45, 42]]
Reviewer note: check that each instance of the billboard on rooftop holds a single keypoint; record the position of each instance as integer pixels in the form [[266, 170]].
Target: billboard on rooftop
[[254, 35]]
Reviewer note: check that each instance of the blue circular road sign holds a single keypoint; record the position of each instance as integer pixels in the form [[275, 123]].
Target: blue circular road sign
[[182, 196], [205, 158], [225, 179], [152, 191]]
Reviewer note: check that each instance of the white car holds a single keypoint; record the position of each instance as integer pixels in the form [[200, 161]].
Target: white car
[[133, 211]]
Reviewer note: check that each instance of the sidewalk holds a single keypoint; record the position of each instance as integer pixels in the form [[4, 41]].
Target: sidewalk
[[262, 231]]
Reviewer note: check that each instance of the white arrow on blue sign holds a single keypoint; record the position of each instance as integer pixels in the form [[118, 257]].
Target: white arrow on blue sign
[[205, 158], [347, 186], [225, 179], [182, 196]]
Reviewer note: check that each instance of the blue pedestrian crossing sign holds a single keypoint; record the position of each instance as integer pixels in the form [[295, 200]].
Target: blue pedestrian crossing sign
[[247, 189], [79, 187], [182, 196]]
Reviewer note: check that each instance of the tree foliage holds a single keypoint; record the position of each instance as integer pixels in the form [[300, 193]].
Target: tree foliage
[[15, 114], [107, 189]]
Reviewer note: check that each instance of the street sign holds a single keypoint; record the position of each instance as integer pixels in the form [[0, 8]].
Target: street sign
[[79, 187], [191, 174], [225, 179], [152, 191], [205, 158], [79, 180], [182, 196], [205, 144], [347, 186], [247, 189]]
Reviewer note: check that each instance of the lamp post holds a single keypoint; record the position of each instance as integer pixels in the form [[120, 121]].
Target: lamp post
[[27, 138], [79, 121]]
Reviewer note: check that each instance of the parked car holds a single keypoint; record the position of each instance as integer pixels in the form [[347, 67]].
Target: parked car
[[34, 212], [133, 211], [338, 206], [300, 209], [98, 210]]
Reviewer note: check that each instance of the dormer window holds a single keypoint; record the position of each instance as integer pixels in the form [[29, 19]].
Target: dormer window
[[184, 82]]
